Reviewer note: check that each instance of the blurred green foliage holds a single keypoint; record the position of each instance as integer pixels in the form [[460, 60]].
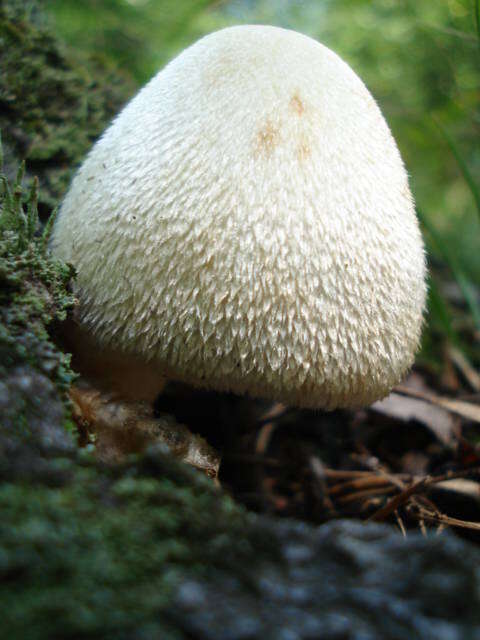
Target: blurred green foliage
[[419, 58], [137, 35], [53, 102]]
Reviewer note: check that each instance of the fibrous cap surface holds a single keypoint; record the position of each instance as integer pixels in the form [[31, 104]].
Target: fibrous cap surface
[[246, 224]]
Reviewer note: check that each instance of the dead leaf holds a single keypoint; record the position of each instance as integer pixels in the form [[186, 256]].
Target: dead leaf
[[466, 410], [437, 419], [118, 428], [462, 486]]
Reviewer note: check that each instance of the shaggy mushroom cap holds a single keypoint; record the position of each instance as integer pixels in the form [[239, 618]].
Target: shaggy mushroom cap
[[246, 224]]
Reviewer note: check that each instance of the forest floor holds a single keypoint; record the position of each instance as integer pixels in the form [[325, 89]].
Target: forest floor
[[412, 459]]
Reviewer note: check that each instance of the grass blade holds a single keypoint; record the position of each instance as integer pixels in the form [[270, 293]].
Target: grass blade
[[47, 232], [32, 209], [441, 312], [477, 18], [461, 163], [462, 280]]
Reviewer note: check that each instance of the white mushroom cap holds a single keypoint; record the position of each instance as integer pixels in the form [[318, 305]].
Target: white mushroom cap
[[245, 224]]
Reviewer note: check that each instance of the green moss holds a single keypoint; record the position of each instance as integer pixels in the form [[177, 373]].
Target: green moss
[[33, 293], [92, 552], [51, 106]]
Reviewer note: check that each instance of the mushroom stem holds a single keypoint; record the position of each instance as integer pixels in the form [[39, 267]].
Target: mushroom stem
[[118, 373]]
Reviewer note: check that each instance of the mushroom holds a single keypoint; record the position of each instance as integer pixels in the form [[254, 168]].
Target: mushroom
[[246, 225]]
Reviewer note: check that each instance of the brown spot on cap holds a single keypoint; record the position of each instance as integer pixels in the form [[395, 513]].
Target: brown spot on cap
[[267, 138], [303, 151], [297, 105]]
